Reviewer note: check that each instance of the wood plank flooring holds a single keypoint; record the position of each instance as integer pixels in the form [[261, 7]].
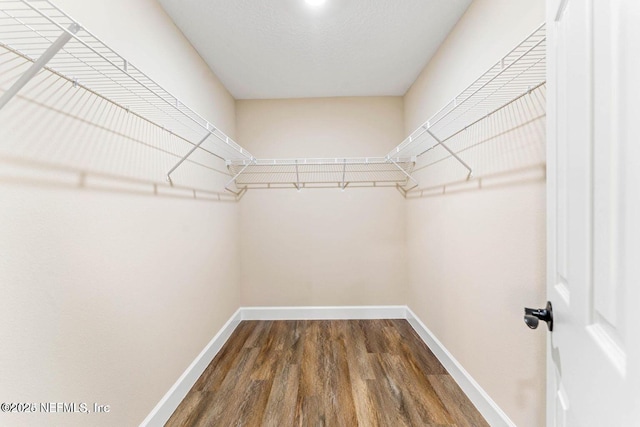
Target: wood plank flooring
[[325, 373]]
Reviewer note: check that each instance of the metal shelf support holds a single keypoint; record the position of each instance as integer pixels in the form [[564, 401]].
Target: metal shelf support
[[39, 64], [403, 171], [455, 156], [226, 186], [30, 27], [194, 148]]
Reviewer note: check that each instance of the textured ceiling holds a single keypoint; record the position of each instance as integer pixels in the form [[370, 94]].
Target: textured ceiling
[[288, 49]]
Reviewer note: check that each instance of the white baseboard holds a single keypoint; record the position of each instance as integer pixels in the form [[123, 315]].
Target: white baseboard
[[482, 401], [168, 404], [325, 313]]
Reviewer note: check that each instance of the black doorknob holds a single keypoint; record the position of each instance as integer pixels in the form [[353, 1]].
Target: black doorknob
[[532, 316]]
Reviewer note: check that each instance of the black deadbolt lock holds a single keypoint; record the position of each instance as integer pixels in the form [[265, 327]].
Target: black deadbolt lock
[[532, 316]]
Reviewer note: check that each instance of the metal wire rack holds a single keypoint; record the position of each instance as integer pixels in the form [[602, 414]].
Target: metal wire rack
[[36, 35], [40, 33], [322, 173], [518, 73]]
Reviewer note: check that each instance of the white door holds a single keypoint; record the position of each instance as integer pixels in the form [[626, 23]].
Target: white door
[[593, 354]]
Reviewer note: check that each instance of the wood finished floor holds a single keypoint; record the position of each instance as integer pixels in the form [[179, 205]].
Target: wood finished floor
[[325, 373]]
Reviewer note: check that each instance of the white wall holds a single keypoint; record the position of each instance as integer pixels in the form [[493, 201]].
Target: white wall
[[322, 246], [477, 254], [109, 291]]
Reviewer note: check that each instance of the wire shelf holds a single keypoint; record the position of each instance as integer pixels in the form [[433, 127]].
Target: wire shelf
[[36, 33], [30, 28], [518, 73], [331, 172], [521, 72]]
